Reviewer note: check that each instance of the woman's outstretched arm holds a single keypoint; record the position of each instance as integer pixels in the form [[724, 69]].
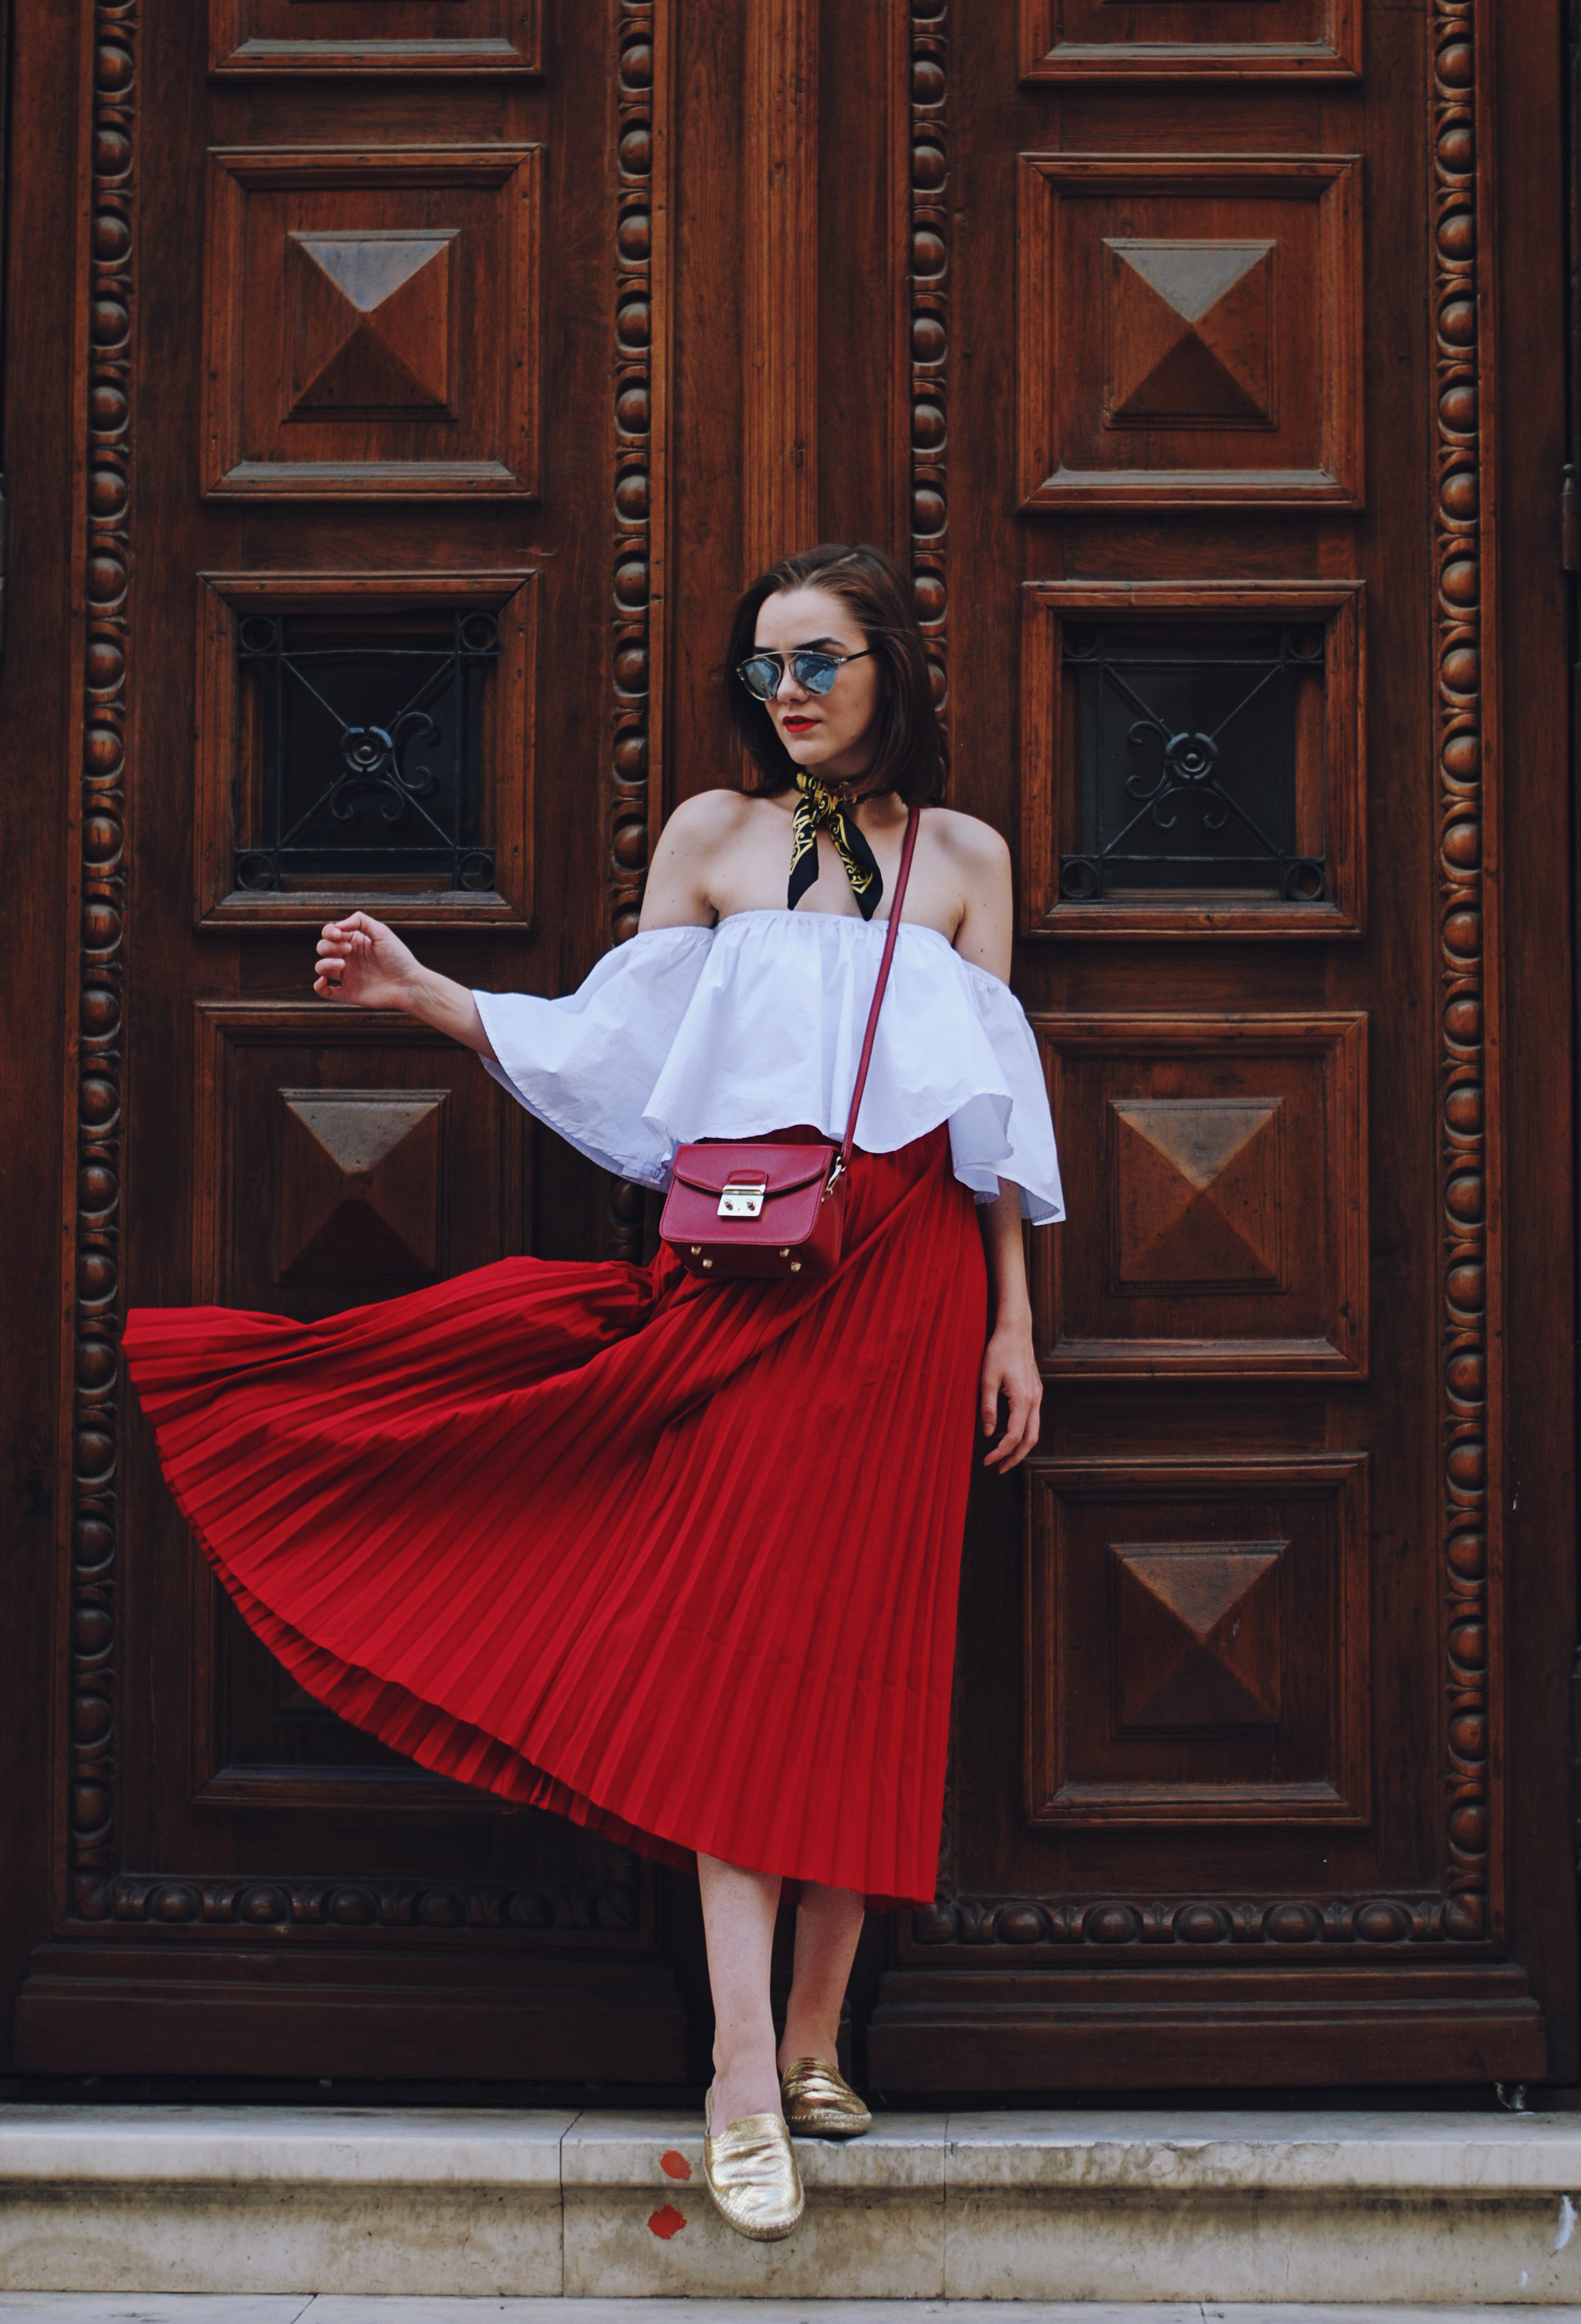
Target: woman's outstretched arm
[[365, 963]]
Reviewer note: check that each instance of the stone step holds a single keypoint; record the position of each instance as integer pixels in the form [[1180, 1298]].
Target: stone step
[[329, 2307], [1444, 2212]]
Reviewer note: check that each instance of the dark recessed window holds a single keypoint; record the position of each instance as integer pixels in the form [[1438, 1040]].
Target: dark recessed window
[[368, 749], [1188, 746]]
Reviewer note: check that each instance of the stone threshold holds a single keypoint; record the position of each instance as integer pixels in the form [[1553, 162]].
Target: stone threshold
[[327, 2308], [1234, 2208]]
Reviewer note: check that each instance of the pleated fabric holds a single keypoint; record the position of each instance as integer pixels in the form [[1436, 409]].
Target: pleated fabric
[[677, 1559]]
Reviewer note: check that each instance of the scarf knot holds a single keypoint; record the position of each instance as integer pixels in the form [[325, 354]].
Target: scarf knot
[[819, 808]]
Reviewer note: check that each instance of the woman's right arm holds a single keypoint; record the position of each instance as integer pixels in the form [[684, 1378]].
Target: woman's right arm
[[365, 963]]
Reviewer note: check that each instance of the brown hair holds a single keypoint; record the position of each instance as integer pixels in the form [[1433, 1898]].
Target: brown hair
[[910, 757]]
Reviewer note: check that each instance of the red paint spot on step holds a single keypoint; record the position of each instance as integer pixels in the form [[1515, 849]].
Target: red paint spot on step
[[667, 2223], [674, 2165]]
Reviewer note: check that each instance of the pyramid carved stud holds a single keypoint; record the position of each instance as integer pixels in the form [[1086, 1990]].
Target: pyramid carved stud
[[370, 321], [1196, 1634], [360, 1186], [1198, 1194], [1190, 331]]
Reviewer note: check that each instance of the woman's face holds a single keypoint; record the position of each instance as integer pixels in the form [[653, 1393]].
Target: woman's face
[[833, 736]]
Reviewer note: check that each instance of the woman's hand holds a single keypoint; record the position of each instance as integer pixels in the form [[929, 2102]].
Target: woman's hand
[[363, 962], [1010, 1370], [366, 964]]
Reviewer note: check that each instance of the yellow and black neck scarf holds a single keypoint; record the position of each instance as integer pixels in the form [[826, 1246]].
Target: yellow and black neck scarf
[[819, 808]]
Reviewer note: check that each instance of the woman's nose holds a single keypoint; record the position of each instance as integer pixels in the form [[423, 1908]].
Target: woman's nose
[[788, 687]]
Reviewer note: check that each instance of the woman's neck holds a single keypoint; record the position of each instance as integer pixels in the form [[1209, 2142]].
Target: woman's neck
[[877, 807], [876, 810]]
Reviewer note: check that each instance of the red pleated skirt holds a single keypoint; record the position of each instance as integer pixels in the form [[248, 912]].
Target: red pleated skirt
[[678, 1560]]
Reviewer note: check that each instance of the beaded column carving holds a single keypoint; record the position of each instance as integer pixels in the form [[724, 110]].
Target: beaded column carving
[[930, 331], [107, 326], [641, 217], [1464, 726]]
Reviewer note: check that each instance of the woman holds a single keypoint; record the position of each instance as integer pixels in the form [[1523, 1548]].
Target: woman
[[677, 1558]]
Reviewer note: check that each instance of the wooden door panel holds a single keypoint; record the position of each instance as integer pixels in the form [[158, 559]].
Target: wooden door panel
[[1191, 40], [343, 1155], [475, 37], [1220, 1169], [1198, 1643], [1135, 822], [1190, 330], [372, 321]]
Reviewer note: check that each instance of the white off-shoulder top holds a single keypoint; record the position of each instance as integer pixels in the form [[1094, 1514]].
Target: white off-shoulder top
[[756, 1024]]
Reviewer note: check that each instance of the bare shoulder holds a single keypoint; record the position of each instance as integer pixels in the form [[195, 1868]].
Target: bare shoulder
[[705, 837], [709, 817], [975, 847], [975, 862]]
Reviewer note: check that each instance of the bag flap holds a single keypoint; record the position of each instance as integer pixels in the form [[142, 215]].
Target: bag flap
[[709, 1169]]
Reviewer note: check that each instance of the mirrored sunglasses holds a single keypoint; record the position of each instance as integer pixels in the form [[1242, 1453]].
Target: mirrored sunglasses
[[763, 674]]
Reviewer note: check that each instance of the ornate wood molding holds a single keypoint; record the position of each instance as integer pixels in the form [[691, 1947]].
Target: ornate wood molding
[[94, 1033], [358, 1907], [640, 340], [780, 283], [928, 326], [1110, 1922], [1465, 736], [642, 319]]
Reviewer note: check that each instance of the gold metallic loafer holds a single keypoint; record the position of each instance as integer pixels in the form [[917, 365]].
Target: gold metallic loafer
[[752, 2174], [819, 2102]]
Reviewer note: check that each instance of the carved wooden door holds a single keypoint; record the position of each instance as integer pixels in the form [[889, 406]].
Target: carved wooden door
[[1196, 512], [424, 356], [367, 401]]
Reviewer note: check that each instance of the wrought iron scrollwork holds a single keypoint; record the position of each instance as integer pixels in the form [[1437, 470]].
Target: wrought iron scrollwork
[[1132, 821], [358, 734]]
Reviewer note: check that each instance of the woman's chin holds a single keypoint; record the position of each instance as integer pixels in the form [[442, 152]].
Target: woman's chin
[[815, 757]]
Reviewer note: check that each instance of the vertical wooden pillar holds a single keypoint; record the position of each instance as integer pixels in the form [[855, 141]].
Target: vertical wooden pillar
[[779, 241]]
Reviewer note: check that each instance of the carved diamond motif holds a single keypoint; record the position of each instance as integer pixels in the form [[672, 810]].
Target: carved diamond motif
[[1197, 1636], [1197, 1192], [1191, 333], [370, 321], [360, 1182]]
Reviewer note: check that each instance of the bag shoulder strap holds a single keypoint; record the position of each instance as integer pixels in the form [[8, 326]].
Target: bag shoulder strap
[[908, 849]]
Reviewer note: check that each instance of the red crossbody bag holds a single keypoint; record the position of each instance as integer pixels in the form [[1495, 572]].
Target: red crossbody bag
[[763, 1209]]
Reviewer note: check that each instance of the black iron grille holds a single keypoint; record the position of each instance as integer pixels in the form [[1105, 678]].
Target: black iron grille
[[369, 750], [1187, 742]]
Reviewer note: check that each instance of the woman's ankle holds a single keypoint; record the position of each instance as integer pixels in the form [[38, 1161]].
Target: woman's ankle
[[747, 2081], [803, 2040]]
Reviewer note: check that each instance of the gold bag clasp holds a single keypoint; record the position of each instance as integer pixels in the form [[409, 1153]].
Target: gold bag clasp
[[744, 1200]]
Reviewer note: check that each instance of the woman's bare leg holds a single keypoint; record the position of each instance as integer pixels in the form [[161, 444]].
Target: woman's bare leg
[[828, 1923], [738, 1915]]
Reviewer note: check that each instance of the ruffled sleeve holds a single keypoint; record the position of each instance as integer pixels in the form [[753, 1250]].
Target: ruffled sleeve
[[1006, 1131], [586, 1063]]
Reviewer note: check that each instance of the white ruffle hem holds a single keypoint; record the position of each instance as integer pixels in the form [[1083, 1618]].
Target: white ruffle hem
[[756, 1024]]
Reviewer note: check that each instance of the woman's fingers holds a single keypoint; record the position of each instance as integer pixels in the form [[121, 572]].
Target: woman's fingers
[[342, 946], [1020, 1426]]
